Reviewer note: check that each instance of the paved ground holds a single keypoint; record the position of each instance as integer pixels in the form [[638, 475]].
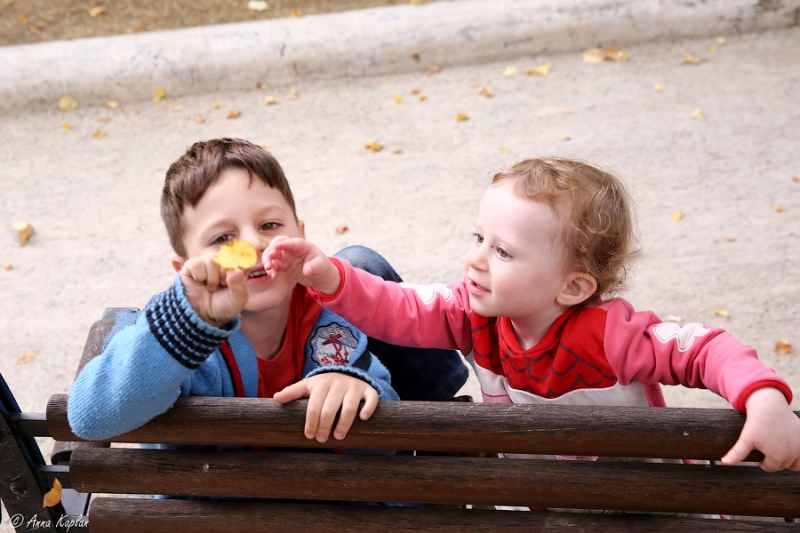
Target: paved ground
[[99, 241]]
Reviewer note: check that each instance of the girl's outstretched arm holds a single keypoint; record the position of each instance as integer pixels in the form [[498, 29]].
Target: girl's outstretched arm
[[304, 262]]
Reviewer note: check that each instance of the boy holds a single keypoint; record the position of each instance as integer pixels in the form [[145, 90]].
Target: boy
[[219, 332], [534, 311]]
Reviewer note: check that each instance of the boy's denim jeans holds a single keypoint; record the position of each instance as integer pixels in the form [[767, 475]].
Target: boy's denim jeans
[[423, 374]]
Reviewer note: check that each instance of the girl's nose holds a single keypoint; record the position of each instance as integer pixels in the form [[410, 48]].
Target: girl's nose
[[476, 256]]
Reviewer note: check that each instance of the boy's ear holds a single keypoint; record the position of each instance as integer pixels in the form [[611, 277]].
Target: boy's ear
[[579, 287], [177, 262], [302, 226]]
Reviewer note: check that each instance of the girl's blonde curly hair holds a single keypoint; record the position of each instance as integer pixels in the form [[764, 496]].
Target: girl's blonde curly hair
[[600, 236]]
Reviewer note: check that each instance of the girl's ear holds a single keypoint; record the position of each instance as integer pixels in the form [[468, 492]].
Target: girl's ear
[[302, 226], [177, 262], [579, 287]]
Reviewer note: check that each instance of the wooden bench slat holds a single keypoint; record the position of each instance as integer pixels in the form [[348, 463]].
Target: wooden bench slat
[[445, 426], [633, 486], [131, 515]]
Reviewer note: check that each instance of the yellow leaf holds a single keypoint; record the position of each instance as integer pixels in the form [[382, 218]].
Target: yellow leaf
[[236, 254], [160, 94], [96, 11], [541, 70], [9, 266], [415, 91], [26, 358], [298, 13], [178, 107], [505, 150], [292, 94], [434, 69], [720, 40], [23, 18], [712, 48], [658, 87], [65, 126], [796, 178], [615, 53], [689, 59], [422, 98], [257, 5], [67, 103], [677, 215], [565, 137], [567, 111], [594, 55], [99, 134], [782, 347], [723, 313], [200, 119], [461, 117], [697, 114], [779, 208], [265, 147], [217, 106], [53, 496], [486, 91], [270, 100], [374, 146], [413, 1], [234, 114], [509, 71], [398, 99], [112, 105]]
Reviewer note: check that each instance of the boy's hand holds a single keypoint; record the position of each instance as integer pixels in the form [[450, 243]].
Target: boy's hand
[[303, 261], [217, 295], [326, 393], [771, 428]]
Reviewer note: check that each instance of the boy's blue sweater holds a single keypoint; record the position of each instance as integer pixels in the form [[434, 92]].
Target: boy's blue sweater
[[165, 351]]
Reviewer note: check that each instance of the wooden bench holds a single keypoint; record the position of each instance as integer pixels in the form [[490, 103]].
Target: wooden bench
[[288, 489]]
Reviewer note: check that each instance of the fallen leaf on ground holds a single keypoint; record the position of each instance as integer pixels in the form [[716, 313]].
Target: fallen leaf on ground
[[720, 40], [96, 11], [690, 59], [505, 150], [236, 254], [265, 147], [257, 5], [292, 94], [26, 358], [782, 347], [99, 134], [730, 239], [724, 313], [112, 105], [23, 18], [341, 229], [9, 266], [677, 215], [712, 48], [779, 208], [434, 69], [796, 178], [270, 100], [486, 91], [160, 94], [594, 55], [65, 126], [398, 99], [298, 13], [567, 111], [200, 119], [615, 53], [53, 495], [413, 1], [461, 117], [24, 230], [415, 91], [564, 137], [234, 114], [178, 107], [541, 70], [397, 151], [422, 98], [672, 318], [67, 103], [374, 146], [697, 114], [509, 71], [659, 88]]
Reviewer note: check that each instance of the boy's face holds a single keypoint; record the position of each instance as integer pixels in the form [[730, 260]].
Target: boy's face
[[517, 264], [236, 208]]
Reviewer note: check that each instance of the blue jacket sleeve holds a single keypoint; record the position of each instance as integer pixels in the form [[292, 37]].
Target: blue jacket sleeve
[[335, 345], [144, 367]]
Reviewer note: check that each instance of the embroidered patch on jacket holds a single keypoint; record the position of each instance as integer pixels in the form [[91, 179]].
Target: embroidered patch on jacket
[[333, 344], [666, 331], [428, 292]]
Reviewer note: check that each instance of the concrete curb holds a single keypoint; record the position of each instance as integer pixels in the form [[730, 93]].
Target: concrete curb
[[357, 43]]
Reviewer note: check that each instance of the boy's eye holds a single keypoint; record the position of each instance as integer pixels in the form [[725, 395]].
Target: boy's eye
[[222, 239]]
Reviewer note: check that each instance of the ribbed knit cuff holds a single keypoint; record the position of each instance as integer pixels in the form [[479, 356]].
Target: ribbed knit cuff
[[181, 332]]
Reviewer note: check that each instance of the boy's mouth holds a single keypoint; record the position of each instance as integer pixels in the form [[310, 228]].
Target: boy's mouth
[[257, 273]]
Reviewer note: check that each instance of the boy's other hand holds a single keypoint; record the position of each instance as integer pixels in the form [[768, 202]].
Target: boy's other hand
[[217, 295], [327, 393], [771, 428], [303, 261]]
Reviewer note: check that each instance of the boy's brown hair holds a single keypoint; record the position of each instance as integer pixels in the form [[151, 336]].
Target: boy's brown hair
[[599, 236], [189, 178]]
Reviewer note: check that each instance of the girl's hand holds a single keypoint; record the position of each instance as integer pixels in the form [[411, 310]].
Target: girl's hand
[[303, 261]]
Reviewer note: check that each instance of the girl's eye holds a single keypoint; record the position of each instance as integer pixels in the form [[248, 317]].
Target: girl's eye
[[478, 238], [503, 254], [222, 239]]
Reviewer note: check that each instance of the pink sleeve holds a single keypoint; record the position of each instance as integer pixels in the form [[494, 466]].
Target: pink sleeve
[[641, 348], [425, 316]]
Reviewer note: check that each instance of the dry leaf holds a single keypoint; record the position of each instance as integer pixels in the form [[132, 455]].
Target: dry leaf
[[567, 111], [24, 230], [720, 40], [413, 1], [730, 239], [26, 358], [104, 118], [677, 215], [615, 53], [200, 119], [434, 69], [234, 114], [265, 147], [53, 496], [9, 266], [712, 48], [541, 70], [658, 88], [341, 229], [292, 94], [689, 59], [96, 11], [112, 105], [782, 347], [486, 91], [160, 94], [414, 91], [779, 208], [270, 100], [697, 114], [257, 5], [23, 18], [374, 146], [398, 99], [416, 57], [422, 98], [67, 103], [217, 106], [505, 150], [397, 151], [564, 137], [594, 55], [723, 313], [99, 134], [461, 117], [509, 71], [796, 179], [178, 107], [672, 318], [236, 254], [65, 126], [298, 13]]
